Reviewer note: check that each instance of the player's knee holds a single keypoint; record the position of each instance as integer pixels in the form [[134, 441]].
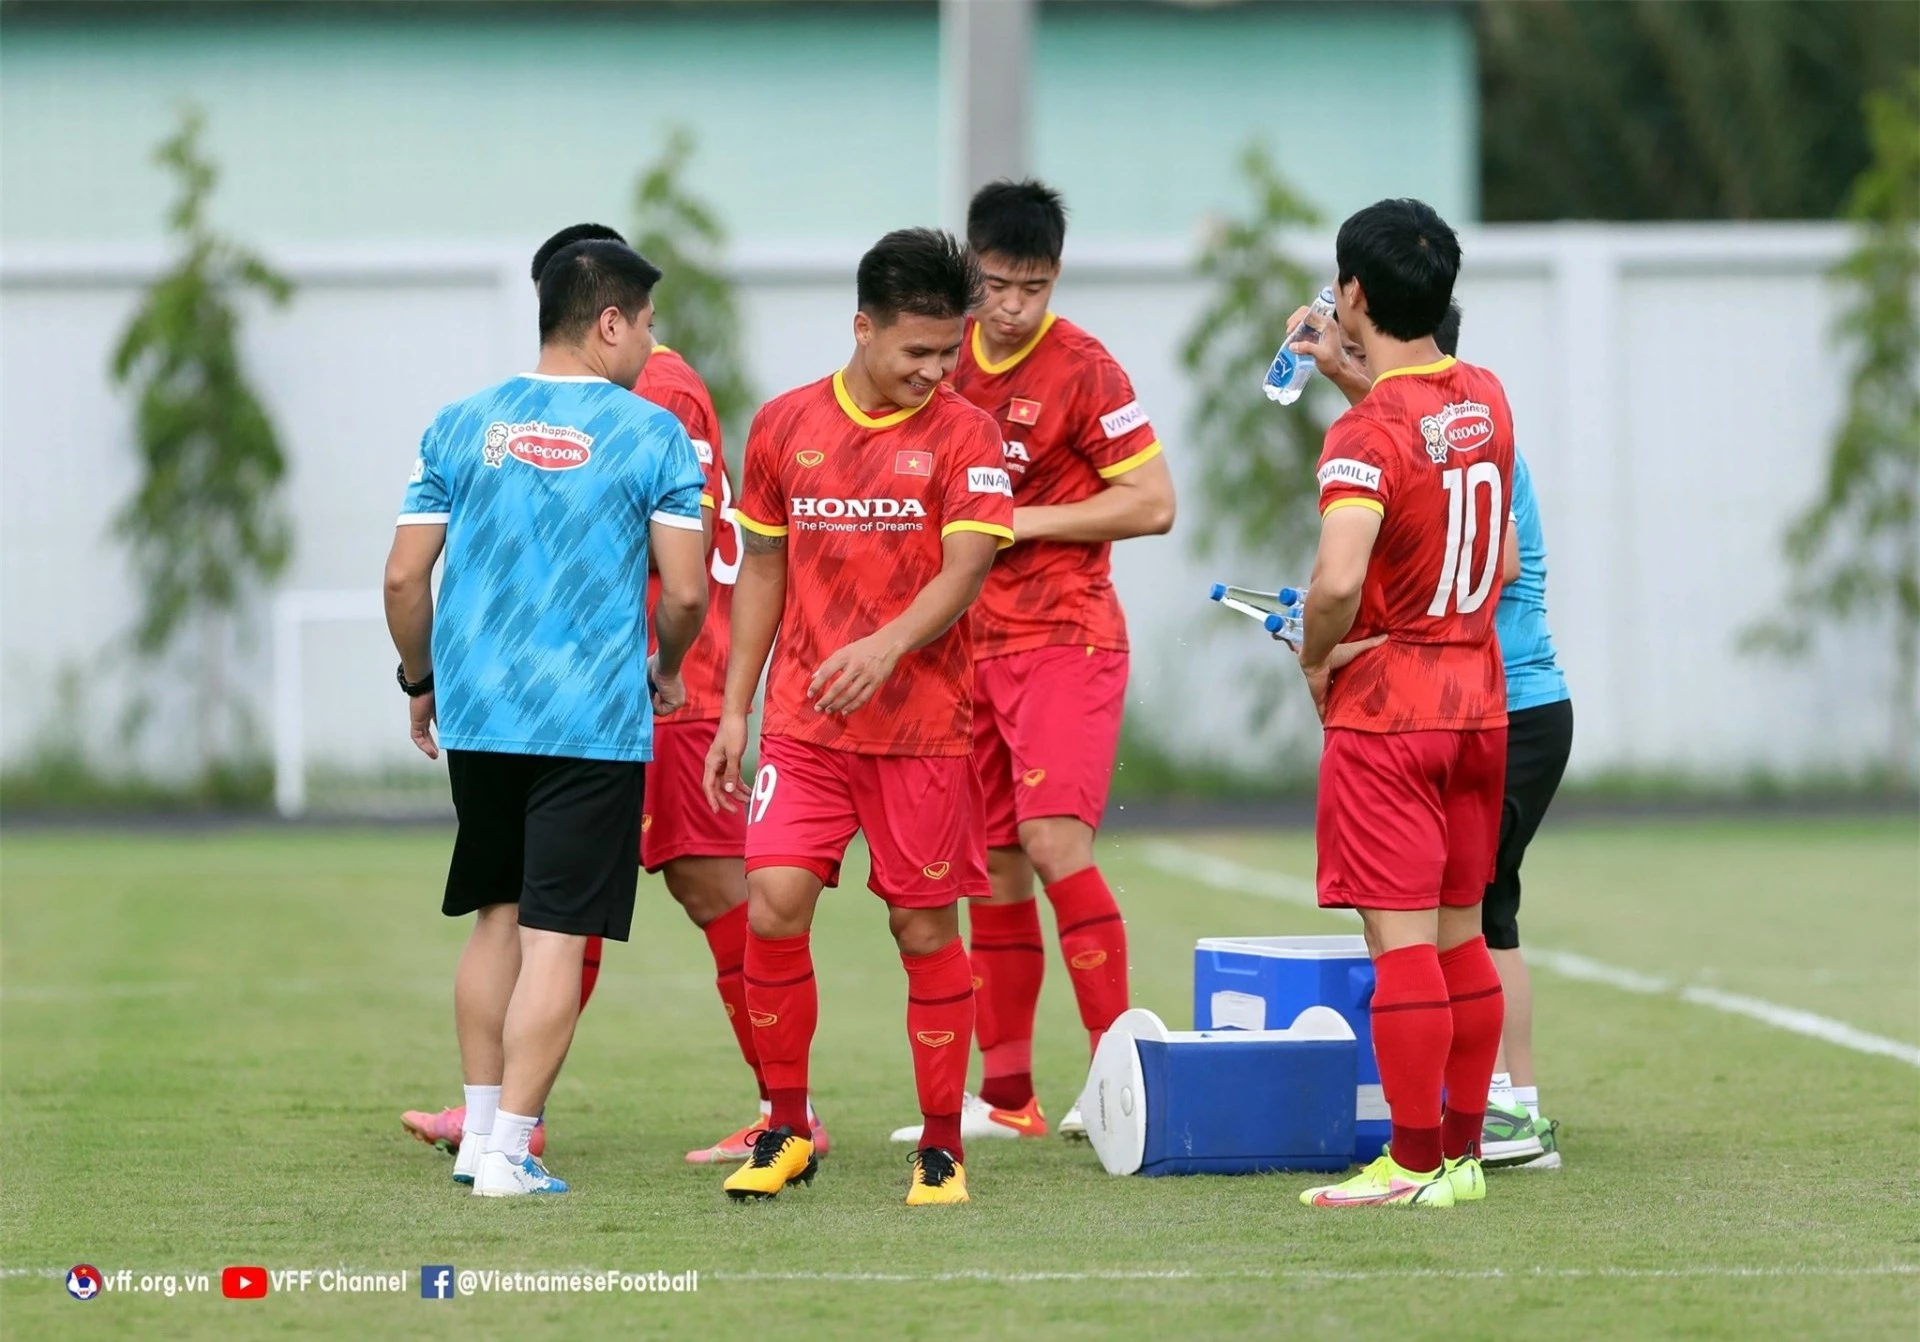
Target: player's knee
[[1057, 846], [924, 931], [1010, 874], [778, 908], [497, 922], [705, 887]]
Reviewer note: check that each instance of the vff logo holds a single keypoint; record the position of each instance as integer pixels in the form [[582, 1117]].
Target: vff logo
[[83, 1282]]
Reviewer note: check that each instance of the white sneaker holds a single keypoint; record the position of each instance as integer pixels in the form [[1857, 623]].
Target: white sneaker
[[499, 1177], [980, 1120], [466, 1162], [1072, 1126]]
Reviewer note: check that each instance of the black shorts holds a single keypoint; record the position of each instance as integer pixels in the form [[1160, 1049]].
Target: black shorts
[[558, 836], [1538, 742]]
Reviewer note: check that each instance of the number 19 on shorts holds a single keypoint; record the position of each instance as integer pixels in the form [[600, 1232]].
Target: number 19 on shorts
[[764, 783], [1458, 583]]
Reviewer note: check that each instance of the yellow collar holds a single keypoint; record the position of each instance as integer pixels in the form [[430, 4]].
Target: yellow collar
[[862, 418], [1418, 370], [995, 369]]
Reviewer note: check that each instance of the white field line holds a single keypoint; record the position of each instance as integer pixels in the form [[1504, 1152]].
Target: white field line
[[1709, 1271], [1225, 874]]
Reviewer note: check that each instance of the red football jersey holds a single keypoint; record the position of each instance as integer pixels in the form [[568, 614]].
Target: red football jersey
[[1431, 450], [670, 382], [864, 502], [1071, 422]]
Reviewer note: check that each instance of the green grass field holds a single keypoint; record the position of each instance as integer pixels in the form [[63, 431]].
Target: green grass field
[[207, 1040]]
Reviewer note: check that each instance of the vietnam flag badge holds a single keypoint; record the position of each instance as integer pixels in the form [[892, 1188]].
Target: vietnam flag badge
[[913, 463], [1023, 411]]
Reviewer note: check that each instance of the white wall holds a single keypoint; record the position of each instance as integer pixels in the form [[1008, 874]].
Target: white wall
[[1673, 390]]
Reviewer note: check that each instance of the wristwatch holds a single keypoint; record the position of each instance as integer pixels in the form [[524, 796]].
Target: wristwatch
[[413, 688]]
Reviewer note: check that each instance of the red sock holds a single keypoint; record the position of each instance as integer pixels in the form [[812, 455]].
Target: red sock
[[1412, 1029], [1479, 1014], [727, 939], [939, 1024], [589, 970], [1093, 940], [783, 1004], [1009, 958]]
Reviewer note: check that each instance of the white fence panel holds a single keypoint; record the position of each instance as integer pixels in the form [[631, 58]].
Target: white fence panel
[[1673, 389]]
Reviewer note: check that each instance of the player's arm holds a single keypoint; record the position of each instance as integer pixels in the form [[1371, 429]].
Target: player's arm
[[680, 555], [418, 541], [849, 678], [1136, 502], [1347, 535], [759, 597], [1510, 553], [409, 598]]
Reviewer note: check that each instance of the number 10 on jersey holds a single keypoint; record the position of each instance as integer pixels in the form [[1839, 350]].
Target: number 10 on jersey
[[1458, 583]]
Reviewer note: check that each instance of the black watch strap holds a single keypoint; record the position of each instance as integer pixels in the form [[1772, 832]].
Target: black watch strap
[[413, 688]]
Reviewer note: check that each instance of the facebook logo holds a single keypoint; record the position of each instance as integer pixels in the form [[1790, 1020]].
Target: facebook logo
[[436, 1283]]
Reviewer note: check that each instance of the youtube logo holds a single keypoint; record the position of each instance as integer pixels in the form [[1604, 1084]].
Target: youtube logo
[[243, 1283]]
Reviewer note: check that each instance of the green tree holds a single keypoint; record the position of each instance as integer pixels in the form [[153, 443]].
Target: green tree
[[1257, 459], [699, 314], [1855, 552], [1681, 109], [205, 525]]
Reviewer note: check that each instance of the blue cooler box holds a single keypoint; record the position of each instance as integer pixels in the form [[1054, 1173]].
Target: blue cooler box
[[1250, 983], [1222, 1101]]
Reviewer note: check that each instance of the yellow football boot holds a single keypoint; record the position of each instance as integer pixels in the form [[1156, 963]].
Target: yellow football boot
[[937, 1179], [779, 1158]]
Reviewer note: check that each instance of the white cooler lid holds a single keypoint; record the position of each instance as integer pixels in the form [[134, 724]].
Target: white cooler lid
[[1114, 1103]]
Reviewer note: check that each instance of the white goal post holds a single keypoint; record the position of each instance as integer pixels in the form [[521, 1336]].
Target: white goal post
[[292, 613]]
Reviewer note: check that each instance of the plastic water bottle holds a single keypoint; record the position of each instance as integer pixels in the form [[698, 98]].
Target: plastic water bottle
[[1288, 374]]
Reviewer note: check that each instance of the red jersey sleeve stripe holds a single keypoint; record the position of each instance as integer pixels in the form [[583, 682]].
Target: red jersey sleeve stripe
[[1374, 504]]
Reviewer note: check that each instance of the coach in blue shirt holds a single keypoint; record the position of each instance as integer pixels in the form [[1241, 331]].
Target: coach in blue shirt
[[550, 494]]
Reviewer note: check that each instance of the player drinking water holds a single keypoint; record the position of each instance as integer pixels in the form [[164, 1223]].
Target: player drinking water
[[1050, 645], [873, 502], [1414, 483], [1539, 739]]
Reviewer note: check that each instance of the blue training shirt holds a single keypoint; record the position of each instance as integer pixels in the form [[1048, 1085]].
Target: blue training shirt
[[547, 486], [1533, 675]]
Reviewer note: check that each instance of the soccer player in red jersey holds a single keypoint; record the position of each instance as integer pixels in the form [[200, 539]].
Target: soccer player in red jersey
[[1050, 645], [873, 503], [699, 852], [1414, 485]]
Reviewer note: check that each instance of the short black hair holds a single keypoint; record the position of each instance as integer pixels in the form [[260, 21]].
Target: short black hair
[[566, 237], [1026, 221], [584, 279], [925, 271], [1406, 259], [1447, 334]]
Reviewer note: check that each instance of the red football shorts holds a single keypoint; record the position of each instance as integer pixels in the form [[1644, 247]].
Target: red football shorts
[[920, 813], [675, 820], [1046, 724], [1409, 820]]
